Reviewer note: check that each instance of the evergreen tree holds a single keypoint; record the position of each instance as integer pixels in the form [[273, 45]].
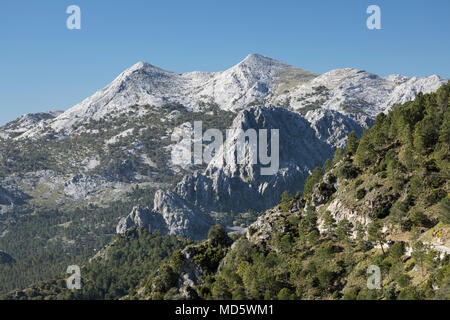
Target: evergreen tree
[[344, 230], [409, 159], [352, 144], [285, 201], [329, 223], [218, 236], [375, 233], [419, 253], [327, 165], [425, 135], [365, 154], [338, 155]]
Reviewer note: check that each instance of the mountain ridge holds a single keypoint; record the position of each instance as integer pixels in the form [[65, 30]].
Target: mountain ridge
[[255, 79]]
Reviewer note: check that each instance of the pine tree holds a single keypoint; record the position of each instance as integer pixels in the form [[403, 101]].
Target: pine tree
[[365, 154], [419, 253], [409, 159], [352, 144], [376, 235], [344, 230], [329, 223], [312, 180], [360, 236]]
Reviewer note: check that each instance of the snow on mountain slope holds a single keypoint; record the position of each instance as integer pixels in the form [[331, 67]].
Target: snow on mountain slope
[[407, 90], [255, 80], [27, 122], [248, 81], [352, 91]]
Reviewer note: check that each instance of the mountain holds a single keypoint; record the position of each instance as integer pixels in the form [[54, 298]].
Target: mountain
[[382, 203], [70, 178], [27, 122], [255, 80], [228, 186], [232, 187], [144, 84], [357, 92]]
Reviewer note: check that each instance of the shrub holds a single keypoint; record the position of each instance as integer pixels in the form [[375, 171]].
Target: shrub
[[361, 193], [418, 218], [348, 171], [165, 279], [381, 212], [217, 236], [435, 196]]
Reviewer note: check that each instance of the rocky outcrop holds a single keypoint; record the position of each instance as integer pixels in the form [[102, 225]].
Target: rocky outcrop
[[170, 215], [141, 217], [181, 217], [189, 273], [340, 212], [228, 185]]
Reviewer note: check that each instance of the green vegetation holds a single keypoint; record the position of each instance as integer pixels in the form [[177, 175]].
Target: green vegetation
[[44, 243], [116, 271]]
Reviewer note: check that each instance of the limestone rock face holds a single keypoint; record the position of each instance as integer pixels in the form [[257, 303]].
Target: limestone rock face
[[170, 215], [180, 216], [189, 275], [227, 185], [141, 217]]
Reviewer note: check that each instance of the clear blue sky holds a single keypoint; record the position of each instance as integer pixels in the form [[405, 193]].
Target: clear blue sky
[[45, 66]]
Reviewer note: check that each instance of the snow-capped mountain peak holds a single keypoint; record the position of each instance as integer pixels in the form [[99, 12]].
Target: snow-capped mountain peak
[[255, 80]]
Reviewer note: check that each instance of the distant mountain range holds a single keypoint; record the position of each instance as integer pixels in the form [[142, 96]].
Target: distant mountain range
[[257, 80]]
